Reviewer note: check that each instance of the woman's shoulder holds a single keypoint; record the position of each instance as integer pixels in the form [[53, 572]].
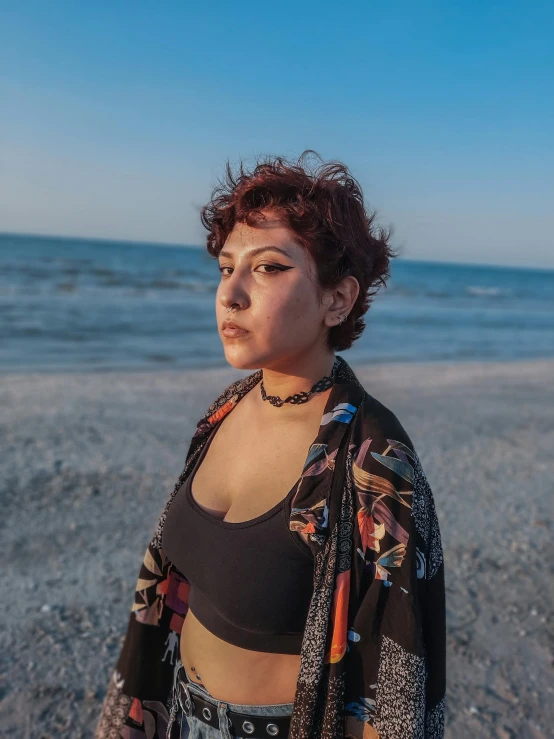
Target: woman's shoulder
[[377, 421]]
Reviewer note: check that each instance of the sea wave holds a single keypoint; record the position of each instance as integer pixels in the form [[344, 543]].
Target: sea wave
[[489, 292]]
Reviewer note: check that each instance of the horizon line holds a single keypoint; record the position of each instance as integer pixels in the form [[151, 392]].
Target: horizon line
[[181, 245]]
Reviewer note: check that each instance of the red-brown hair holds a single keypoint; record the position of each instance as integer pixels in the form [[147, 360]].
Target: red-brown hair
[[324, 208]]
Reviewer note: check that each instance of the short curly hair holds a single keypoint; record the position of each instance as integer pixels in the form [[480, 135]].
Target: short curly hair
[[324, 207]]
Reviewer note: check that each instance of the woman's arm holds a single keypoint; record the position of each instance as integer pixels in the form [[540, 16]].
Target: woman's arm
[[395, 677], [140, 685]]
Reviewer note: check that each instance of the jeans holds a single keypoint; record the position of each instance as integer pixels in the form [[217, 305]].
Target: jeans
[[192, 727]]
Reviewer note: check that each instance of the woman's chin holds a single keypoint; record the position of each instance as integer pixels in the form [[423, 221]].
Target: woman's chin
[[242, 360]]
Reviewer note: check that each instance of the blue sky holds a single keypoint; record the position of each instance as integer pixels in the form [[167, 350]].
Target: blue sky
[[117, 117]]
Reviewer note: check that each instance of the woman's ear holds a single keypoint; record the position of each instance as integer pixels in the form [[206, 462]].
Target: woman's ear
[[344, 295]]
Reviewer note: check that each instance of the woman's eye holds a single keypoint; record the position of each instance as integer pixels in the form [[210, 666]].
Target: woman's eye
[[269, 269]]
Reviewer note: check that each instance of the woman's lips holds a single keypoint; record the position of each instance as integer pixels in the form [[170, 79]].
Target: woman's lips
[[234, 333]]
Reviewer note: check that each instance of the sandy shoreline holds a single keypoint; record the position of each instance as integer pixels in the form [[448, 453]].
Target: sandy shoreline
[[88, 461]]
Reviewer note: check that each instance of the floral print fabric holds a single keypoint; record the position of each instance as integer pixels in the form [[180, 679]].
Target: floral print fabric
[[373, 653]]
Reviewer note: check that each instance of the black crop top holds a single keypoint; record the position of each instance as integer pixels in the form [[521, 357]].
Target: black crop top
[[251, 582]]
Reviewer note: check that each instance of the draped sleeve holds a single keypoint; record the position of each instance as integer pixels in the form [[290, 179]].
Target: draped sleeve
[[137, 700], [138, 697], [395, 676]]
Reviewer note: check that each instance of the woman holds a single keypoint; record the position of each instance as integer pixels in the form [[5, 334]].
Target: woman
[[295, 583]]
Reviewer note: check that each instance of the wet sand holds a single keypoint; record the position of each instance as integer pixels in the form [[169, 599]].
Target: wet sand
[[88, 461]]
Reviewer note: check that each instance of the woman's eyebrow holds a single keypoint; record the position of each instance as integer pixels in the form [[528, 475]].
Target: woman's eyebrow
[[257, 250]]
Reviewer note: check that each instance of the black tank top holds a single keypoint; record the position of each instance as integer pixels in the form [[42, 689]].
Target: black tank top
[[251, 582]]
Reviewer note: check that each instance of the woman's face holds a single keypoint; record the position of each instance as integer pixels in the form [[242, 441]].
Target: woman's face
[[272, 280]]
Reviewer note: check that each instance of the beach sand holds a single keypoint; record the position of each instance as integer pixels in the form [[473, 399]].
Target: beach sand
[[88, 461]]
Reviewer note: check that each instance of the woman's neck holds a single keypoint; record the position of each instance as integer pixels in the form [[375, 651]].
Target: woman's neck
[[296, 377]]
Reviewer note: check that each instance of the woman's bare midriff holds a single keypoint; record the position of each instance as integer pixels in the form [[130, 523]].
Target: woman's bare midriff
[[233, 674], [245, 486]]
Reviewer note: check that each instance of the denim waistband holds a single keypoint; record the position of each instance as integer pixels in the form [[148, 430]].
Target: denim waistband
[[184, 688]]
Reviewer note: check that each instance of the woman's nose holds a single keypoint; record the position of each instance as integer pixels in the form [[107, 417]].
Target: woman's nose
[[232, 292]]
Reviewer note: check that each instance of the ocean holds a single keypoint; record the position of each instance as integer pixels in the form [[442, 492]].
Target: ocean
[[76, 304]]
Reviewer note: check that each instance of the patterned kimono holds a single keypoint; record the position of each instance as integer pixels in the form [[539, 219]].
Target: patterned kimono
[[373, 652]]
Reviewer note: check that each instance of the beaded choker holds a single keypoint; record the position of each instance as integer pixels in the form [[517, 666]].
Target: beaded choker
[[303, 396]]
